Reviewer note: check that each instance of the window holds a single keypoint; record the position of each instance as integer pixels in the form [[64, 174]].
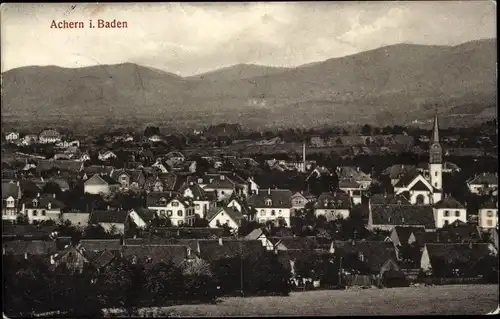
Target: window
[[420, 199], [162, 211], [227, 221], [273, 213], [262, 212], [457, 213], [49, 205], [179, 213], [180, 222], [489, 213], [43, 213], [197, 206], [435, 173], [35, 212], [222, 192], [489, 222], [446, 213], [435, 184], [268, 202], [35, 203], [446, 223], [169, 213], [280, 213], [175, 204]]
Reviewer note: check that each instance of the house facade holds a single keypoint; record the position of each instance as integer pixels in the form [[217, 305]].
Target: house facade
[[12, 137], [106, 156], [100, 184], [272, 205], [42, 208], [11, 194], [483, 183], [333, 206], [229, 216], [202, 201], [488, 214], [129, 179], [180, 210], [49, 136], [449, 210]]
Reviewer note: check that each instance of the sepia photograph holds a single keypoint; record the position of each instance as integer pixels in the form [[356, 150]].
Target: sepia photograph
[[249, 159]]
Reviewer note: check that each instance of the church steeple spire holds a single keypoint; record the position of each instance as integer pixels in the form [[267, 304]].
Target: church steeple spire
[[435, 130]]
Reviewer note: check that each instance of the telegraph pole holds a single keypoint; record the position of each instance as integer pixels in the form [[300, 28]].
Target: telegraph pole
[[340, 272]]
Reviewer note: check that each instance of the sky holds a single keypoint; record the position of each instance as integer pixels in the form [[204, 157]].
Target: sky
[[192, 38]]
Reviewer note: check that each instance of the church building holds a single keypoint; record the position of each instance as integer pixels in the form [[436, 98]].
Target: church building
[[428, 189]]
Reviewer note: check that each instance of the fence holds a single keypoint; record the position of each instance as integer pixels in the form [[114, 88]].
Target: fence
[[453, 281], [358, 280]]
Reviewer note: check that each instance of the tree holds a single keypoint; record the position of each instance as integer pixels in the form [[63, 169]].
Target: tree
[[94, 232], [163, 282], [366, 130], [200, 222], [22, 219], [51, 188]]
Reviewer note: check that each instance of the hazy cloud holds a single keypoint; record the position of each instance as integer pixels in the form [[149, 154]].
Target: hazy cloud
[[187, 38]]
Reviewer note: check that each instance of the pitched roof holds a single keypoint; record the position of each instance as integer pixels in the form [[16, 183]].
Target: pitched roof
[[134, 174], [381, 199], [404, 233], [108, 216], [98, 169], [192, 232], [50, 133], [254, 234], [156, 253], [421, 215], [32, 247], [406, 179], [233, 213], [62, 165], [30, 231], [212, 250], [348, 183], [43, 202], [448, 202], [280, 198], [335, 200], [291, 243], [102, 179], [155, 198], [375, 253], [458, 233], [423, 238], [395, 171], [350, 172], [459, 252], [420, 186], [145, 214], [99, 245], [485, 178], [491, 203]]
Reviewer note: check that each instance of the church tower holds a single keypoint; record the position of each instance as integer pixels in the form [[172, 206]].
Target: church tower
[[436, 162]]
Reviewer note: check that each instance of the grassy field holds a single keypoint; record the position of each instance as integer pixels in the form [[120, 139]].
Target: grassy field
[[439, 300]]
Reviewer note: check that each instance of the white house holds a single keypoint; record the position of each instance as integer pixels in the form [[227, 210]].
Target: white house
[[106, 155], [180, 210], [333, 206], [258, 234], [11, 194], [488, 214], [202, 200], [12, 136], [483, 183], [220, 184], [141, 217], [42, 208], [418, 190], [225, 215], [49, 136], [448, 210], [272, 205], [100, 184]]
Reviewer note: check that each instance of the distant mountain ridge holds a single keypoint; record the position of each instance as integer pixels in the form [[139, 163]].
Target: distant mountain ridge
[[391, 85]]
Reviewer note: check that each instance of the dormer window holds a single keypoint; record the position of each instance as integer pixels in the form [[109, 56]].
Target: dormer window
[[35, 203], [361, 257], [49, 205], [163, 201], [200, 180], [175, 204], [222, 177], [268, 202]]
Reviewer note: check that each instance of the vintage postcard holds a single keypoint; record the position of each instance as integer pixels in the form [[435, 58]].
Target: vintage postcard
[[249, 159]]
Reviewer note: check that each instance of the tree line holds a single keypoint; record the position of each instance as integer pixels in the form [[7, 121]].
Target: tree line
[[34, 287]]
